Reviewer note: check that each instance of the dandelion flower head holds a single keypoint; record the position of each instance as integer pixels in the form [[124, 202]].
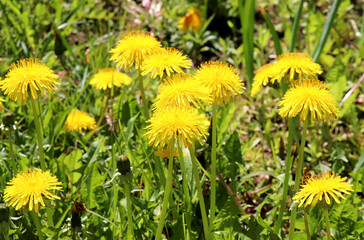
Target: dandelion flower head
[[28, 74], [192, 19], [167, 61], [292, 64], [78, 121], [326, 187], [185, 124], [28, 188], [182, 90], [309, 97], [267, 73], [222, 79], [107, 77], [133, 49]]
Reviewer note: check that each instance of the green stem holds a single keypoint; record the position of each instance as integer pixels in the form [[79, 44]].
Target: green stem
[[200, 195], [144, 99], [37, 224], [39, 135], [306, 225], [166, 194], [186, 194], [129, 211], [12, 155], [289, 159], [328, 231], [41, 153], [298, 178], [113, 160], [213, 170]]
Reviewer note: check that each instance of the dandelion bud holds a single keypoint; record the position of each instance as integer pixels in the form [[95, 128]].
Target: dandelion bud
[[123, 165], [8, 119]]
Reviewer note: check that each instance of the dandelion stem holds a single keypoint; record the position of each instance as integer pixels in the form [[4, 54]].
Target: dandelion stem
[[129, 211], [39, 135], [328, 231], [37, 224], [289, 159], [200, 195], [305, 216], [298, 178], [167, 194], [213, 170], [186, 194], [144, 99], [41, 153]]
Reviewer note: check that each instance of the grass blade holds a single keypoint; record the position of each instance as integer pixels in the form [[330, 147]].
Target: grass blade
[[295, 26], [325, 33], [277, 42], [246, 14]]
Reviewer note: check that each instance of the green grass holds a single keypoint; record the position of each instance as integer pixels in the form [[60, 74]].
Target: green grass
[[74, 39]]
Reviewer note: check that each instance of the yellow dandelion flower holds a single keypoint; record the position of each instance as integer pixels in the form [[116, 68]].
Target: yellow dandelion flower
[[165, 152], [184, 123], [107, 77], [133, 48], [327, 186], [267, 73], [182, 90], [28, 189], [222, 79], [78, 120], [167, 60], [309, 96], [28, 74], [301, 64], [192, 19]]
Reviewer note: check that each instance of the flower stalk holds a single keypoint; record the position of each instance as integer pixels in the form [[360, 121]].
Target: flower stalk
[[167, 193], [298, 178], [213, 169]]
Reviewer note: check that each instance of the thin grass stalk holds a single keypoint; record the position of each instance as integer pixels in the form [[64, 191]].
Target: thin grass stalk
[[167, 193], [145, 102], [186, 193], [11, 151], [213, 170], [113, 159], [305, 216], [296, 26], [278, 223], [328, 231], [129, 211], [276, 41], [326, 31], [298, 178], [246, 14], [200, 195], [37, 224]]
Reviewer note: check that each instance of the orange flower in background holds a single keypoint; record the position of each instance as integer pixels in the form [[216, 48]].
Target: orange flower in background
[[192, 19]]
